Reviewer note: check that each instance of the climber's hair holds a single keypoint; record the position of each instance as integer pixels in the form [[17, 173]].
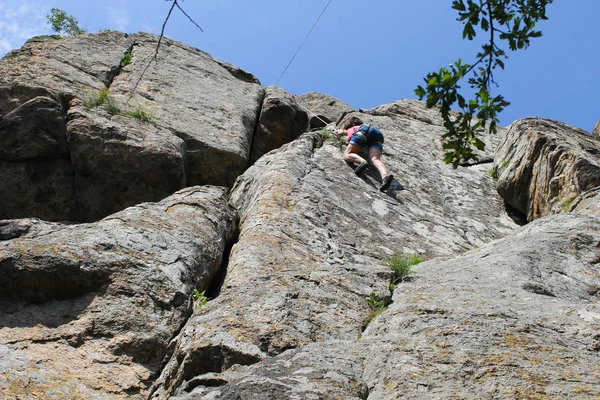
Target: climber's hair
[[353, 121]]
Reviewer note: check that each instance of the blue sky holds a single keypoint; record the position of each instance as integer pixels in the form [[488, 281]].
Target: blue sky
[[363, 52]]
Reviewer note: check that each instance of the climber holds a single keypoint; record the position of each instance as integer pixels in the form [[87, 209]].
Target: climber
[[361, 135]]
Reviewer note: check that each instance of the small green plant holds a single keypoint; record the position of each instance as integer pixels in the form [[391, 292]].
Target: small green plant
[[567, 205], [493, 173], [505, 163], [401, 266], [142, 114], [94, 98], [200, 299], [63, 24], [377, 304], [126, 59], [325, 135]]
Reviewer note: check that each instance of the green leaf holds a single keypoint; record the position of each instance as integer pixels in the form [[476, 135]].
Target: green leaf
[[420, 92], [485, 25], [478, 144]]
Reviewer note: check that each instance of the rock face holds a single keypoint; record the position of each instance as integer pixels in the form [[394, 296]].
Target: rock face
[[67, 111], [87, 311], [294, 259], [314, 238], [281, 121], [596, 131], [546, 167], [323, 109], [517, 318]]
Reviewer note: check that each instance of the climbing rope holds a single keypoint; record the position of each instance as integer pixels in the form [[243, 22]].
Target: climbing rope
[[301, 44], [296, 53]]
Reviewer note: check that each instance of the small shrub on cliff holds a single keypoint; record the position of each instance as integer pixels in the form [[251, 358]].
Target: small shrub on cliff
[[325, 135], [401, 266], [96, 98], [200, 299], [126, 60], [63, 24], [377, 304]]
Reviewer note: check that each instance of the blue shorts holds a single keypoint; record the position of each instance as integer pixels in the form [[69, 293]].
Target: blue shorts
[[368, 136]]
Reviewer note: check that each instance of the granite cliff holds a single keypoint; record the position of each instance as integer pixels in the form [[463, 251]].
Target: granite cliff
[[119, 206]]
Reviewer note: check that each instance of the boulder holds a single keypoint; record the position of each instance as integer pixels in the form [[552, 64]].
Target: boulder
[[323, 109], [546, 167], [281, 120], [88, 310], [596, 130]]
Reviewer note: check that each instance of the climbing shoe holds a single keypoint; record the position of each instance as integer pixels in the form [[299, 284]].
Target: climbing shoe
[[386, 182], [361, 168]]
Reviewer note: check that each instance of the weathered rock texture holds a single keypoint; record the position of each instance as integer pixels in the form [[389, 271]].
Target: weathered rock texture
[[596, 131], [281, 121], [87, 311], [323, 109], [314, 238], [546, 167], [104, 310], [518, 318], [97, 160]]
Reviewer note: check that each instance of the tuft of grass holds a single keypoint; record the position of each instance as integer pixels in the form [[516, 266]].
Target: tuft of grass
[[142, 114], [401, 266], [200, 299], [567, 205], [94, 98], [126, 60], [112, 105], [326, 135], [493, 173]]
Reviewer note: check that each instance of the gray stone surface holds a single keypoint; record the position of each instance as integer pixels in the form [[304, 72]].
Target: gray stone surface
[[281, 120], [329, 370], [314, 238], [211, 105], [546, 167], [87, 311], [322, 108], [517, 318], [203, 112], [596, 130], [119, 162], [103, 310]]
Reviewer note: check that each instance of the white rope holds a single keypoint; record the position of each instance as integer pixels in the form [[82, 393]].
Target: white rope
[[301, 44]]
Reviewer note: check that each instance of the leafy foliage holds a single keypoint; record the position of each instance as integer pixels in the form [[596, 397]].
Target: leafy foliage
[[508, 21], [200, 299], [126, 59], [63, 24]]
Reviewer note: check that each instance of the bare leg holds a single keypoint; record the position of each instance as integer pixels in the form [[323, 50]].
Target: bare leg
[[351, 154], [375, 156]]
